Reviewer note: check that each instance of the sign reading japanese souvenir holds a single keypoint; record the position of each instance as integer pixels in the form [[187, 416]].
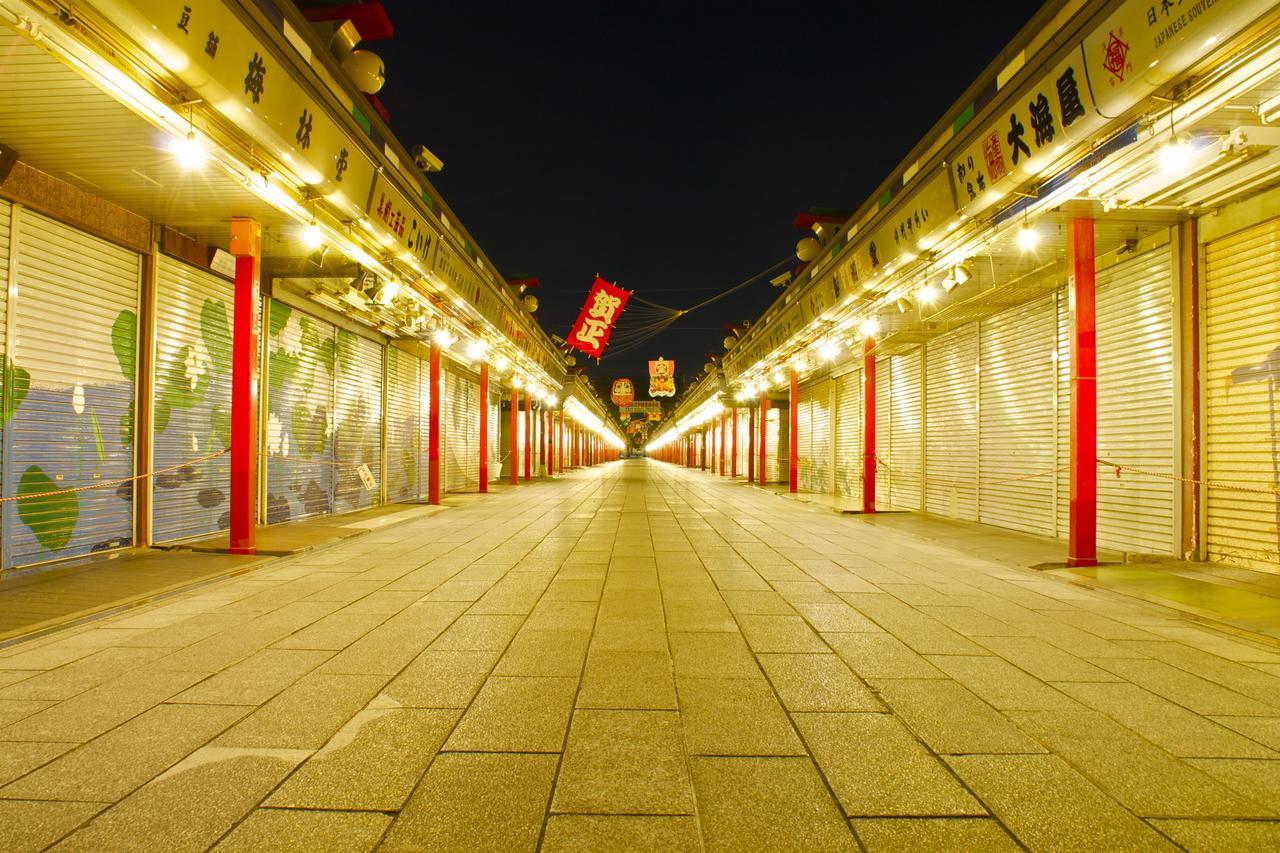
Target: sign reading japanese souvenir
[[662, 378], [590, 333], [646, 408], [389, 206], [623, 392]]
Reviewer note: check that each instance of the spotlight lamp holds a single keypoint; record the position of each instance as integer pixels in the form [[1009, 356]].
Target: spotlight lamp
[[1028, 237], [475, 350], [500, 363], [775, 378], [869, 327], [962, 272], [312, 236], [904, 304], [828, 350], [928, 294], [188, 150]]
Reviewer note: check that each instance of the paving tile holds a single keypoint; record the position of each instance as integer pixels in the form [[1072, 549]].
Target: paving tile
[[1264, 730], [925, 835], [1133, 771], [255, 679], [372, 763], [27, 825], [817, 682], [772, 633], [1176, 685], [624, 762], [950, 719], [288, 829], [476, 802], [387, 648], [305, 715], [628, 680], [877, 767], [835, 616], [335, 631], [472, 632], [225, 782], [1169, 726], [516, 714], [19, 759], [1001, 684], [1044, 660], [1257, 779], [734, 717], [1221, 836], [535, 652], [13, 710], [80, 675], [1049, 806], [441, 679], [700, 617], [767, 804], [111, 766], [712, 655], [621, 834], [562, 616], [756, 603], [880, 656]]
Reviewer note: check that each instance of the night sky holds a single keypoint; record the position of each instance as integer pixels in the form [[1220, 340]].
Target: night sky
[[669, 148]]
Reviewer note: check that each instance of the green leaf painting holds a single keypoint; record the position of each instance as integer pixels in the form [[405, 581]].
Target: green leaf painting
[[17, 382], [277, 317], [97, 438], [52, 518], [281, 368], [162, 414], [124, 336], [325, 355], [126, 426], [220, 423], [348, 350], [215, 329], [175, 386]]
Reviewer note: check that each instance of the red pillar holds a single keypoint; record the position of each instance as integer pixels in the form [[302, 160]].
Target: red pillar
[[528, 435], [246, 246], [484, 427], [1082, 536], [751, 445], [793, 441], [869, 425], [513, 446], [733, 445], [433, 429], [764, 434]]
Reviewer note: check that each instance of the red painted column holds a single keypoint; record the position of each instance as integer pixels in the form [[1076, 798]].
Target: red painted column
[[869, 424], [751, 445], [733, 445], [764, 434], [793, 442], [1082, 535], [433, 429], [528, 436], [484, 427], [513, 446], [246, 246]]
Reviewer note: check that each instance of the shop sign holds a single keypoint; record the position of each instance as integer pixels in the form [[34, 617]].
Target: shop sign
[[623, 392], [590, 332], [913, 226], [648, 408], [389, 207], [662, 378]]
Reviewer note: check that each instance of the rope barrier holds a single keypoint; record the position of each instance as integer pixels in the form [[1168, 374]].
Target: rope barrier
[[1221, 485], [105, 484]]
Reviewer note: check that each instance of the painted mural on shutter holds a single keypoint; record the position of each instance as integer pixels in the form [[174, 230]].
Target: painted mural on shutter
[[357, 439], [404, 439], [193, 401], [1242, 397], [951, 424], [884, 429], [463, 452], [69, 419], [906, 430], [815, 444], [848, 434]]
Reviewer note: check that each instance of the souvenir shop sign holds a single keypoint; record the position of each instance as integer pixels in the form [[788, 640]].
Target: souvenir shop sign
[[590, 333], [662, 378], [623, 392]]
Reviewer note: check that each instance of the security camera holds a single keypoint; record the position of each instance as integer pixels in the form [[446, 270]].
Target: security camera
[[425, 160]]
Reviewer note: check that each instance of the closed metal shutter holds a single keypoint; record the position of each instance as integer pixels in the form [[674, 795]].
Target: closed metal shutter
[[300, 415], [803, 438], [1016, 430], [463, 452], [1242, 381], [815, 440], [404, 435], [951, 424], [884, 431], [848, 434], [495, 429], [1063, 515], [358, 425], [775, 454], [905, 430], [193, 400], [1135, 402], [5, 214], [73, 354]]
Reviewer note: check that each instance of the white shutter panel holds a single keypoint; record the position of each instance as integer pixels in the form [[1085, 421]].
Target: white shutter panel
[[884, 430], [815, 441], [1242, 375], [775, 450], [194, 311], [73, 351], [905, 430], [1135, 402], [848, 434], [1017, 417], [463, 454], [404, 445], [951, 424], [358, 420]]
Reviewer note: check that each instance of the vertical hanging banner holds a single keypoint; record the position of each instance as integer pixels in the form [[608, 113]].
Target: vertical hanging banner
[[662, 378], [590, 333]]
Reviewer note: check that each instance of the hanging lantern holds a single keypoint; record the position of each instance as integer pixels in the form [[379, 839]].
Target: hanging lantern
[[365, 69], [530, 302], [808, 248]]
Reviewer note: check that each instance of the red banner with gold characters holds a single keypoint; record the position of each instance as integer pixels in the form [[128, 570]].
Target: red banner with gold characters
[[662, 378], [604, 303], [623, 392]]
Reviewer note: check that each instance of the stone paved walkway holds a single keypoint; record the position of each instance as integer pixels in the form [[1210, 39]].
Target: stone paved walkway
[[640, 657]]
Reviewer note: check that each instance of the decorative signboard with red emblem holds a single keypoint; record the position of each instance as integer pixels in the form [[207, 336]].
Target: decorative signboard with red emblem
[[623, 392], [590, 333], [662, 378]]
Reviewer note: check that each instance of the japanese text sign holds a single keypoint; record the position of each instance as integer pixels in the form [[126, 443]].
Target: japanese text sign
[[590, 333], [662, 378]]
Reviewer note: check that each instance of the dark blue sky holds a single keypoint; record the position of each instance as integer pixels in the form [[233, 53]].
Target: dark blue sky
[[669, 147]]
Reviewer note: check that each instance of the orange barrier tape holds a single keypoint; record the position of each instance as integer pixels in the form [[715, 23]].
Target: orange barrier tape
[[1210, 484], [108, 483]]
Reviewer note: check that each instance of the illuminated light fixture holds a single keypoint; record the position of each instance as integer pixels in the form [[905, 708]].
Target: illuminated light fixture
[[1028, 238], [869, 327], [750, 392], [904, 304], [500, 363], [798, 365], [516, 381], [828, 350], [388, 291], [1175, 156], [188, 150], [442, 337], [949, 283], [312, 236], [552, 401], [475, 350], [963, 272], [775, 378], [928, 294]]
